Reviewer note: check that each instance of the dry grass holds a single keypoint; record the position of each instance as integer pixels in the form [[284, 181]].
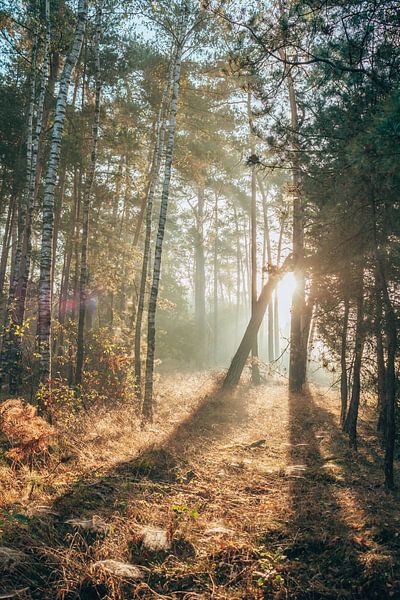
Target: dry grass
[[257, 493]]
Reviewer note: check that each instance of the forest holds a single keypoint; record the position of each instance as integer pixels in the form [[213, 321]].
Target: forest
[[199, 307]]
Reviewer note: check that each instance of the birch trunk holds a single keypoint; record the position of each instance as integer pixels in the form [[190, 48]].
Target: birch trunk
[[24, 264], [44, 308], [147, 408], [154, 177], [9, 335], [83, 281]]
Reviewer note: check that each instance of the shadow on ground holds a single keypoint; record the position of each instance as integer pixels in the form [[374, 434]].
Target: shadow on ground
[[154, 472], [337, 543]]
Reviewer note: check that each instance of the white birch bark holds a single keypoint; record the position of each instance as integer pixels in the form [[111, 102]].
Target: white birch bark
[[44, 322], [147, 408], [22, 274], [154, 176]]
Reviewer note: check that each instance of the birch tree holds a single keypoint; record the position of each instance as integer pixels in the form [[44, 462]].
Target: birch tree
[[46, 257], [22, 269], [147, 408], [154, 177]]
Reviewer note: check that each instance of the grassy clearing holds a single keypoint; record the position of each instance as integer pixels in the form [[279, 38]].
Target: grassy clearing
[[256, 494]]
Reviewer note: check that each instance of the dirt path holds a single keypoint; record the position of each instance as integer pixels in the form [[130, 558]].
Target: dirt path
[[257, 494]]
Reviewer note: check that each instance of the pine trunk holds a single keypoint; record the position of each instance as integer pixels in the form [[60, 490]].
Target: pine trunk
[[352, 417], [83, 280], [200, 281], [343, 363], [255, 373]]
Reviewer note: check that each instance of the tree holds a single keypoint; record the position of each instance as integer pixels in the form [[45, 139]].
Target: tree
[[86, 202], [46, 257]]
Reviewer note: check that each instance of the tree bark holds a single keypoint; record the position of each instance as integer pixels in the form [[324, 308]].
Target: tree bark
[[255, 373], [153, 181], [271, 306], [239, 360], [200, 280], [343, 362], [83, 280], [147, 407], [352, 417], [380, 361], [297, 361], [215, 284], [44, 309]]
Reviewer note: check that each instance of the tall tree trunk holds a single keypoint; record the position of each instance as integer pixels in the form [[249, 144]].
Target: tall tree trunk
[[238, 273], [390, 438], [8, 350], [277, 341], [200, 280], [380, 360], [153, 181], [270, 313], [215, 284], [343, 362], [44, 309], [255, 373], [151, 329], [352, 416], [297, 361], [239, 360], [5, 249], [83, 280]]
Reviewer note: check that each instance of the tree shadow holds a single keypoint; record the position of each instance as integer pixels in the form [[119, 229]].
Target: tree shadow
[[330, 553], [158, 470]]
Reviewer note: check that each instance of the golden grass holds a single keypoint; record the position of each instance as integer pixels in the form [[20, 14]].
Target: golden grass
[[257, 492]]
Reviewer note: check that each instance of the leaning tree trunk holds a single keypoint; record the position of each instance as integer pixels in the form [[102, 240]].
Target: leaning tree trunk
[[154, 176], [83, 279], [350, 425], [44, 309], [147, 408], [239, 360]]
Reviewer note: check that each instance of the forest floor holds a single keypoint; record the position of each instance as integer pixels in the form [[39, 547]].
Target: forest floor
[[248, 495]]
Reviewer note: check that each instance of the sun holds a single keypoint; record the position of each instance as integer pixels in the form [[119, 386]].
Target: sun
[[286, 289]]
